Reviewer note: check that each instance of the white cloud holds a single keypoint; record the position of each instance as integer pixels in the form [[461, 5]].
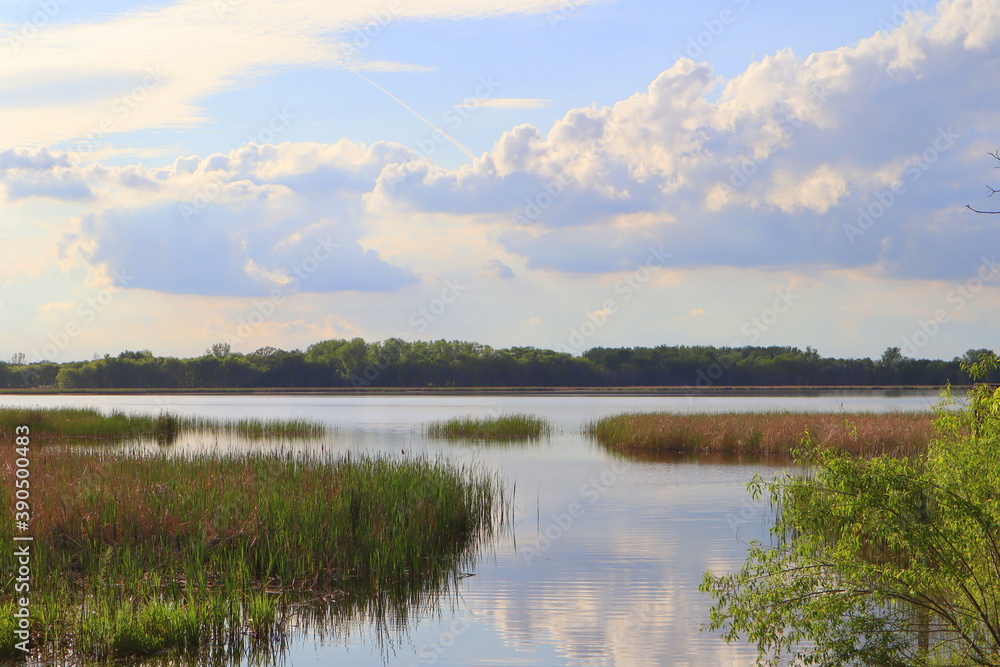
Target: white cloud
[[497, 269], [197, 49], [260, 218], [56, 306], [509, 103], [770, 168]]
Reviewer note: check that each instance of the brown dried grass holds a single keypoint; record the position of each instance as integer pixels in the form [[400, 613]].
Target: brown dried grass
[[766, 433]]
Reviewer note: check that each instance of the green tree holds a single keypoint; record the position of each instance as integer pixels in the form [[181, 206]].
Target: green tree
[[136, 354], [219, 350], [882, 561], [69, 378], [891, 358]]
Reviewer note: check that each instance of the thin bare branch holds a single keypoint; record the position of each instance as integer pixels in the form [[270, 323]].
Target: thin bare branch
[[985, 212]]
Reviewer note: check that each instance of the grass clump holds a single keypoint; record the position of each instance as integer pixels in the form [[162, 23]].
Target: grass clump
[[142, 554], [89, 423], [510, 427], [764, 433]]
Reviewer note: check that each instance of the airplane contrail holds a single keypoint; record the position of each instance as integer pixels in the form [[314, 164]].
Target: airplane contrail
[[406, 106]]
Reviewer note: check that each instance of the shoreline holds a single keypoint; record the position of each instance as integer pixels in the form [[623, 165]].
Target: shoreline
[[774, 390]]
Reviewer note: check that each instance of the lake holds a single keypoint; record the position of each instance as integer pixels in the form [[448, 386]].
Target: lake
[[604, 559]]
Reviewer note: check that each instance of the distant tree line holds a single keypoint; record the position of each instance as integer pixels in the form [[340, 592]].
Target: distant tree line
[[398, 363]]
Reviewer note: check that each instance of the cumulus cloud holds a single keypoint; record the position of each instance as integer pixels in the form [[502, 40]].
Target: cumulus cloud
[[497, 269], [854, 157], [258, 219], [28, 173]]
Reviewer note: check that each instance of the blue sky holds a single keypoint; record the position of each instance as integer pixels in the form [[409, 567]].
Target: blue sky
[[554, 173]]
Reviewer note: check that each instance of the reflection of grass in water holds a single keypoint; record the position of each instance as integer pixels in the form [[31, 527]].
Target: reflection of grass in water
[[763, 433], [54, 423], [134, 555], [504, 428], [699, 458]]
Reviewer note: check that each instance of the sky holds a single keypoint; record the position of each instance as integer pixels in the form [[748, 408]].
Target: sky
[[564, 174]]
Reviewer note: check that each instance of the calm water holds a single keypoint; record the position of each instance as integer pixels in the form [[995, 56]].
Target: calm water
[[603, 564]]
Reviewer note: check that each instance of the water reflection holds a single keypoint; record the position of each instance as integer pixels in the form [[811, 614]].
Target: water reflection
[[238, 597], [711, 457], [617, 585]]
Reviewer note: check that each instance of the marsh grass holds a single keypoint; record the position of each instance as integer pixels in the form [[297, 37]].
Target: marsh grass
[[767, 434], [80, 423], [504, 428], [140, 554]]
